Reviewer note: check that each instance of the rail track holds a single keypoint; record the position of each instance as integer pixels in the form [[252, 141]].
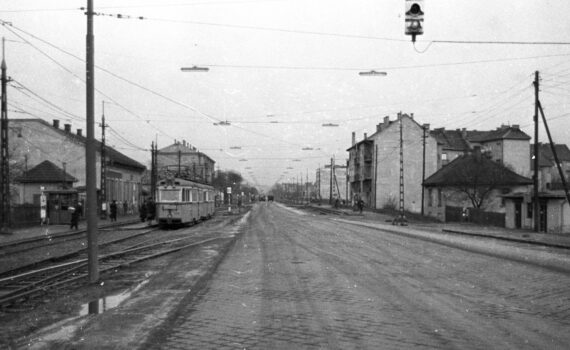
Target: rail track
[[19, 288], [24, 245]]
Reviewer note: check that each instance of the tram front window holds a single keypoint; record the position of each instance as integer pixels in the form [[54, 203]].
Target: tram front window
[[170, 195]]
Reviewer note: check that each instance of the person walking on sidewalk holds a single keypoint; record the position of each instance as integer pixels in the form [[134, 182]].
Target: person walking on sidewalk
[[142, 211], [113, 206], [74, 218]]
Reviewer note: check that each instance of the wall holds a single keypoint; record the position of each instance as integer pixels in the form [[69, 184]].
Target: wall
[[387, 181], [516, 156]]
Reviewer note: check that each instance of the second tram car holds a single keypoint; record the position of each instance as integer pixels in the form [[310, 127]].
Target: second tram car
[[180, 202]]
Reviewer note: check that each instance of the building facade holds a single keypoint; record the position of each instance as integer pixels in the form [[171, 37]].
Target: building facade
[[374, 163], [33, 141], [182, 158]]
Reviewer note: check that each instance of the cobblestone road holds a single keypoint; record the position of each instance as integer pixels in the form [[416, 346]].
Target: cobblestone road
[[297, 281]]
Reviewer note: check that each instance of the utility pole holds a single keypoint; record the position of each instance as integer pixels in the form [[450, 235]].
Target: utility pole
[[535, 176], [103, 190], [375, 174], [424, 137], [401, 218], [555, 154], [4, 162], [153, 170], [331, 182], [90, 152]]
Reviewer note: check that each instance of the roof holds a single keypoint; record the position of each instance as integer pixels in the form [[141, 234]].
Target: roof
[[114, 156], [475, 168], [459, 139], [46, 172], [450, 139], [504, 132], [546, 157], [183, 148]]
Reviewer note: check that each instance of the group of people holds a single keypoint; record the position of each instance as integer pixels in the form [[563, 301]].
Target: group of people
[[147, 210]]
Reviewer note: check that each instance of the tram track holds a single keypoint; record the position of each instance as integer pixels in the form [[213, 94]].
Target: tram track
[[19, 289], [49, 239], [70, 252]]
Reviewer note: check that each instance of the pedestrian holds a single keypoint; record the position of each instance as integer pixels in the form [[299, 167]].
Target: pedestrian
[[239, 204], [113, 207], [125, 207], [79, 209], [150, 210], [360, 205], [74, 218], [142, 211]]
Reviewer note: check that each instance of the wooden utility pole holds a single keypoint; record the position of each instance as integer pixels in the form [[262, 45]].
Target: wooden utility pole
[[536, 204], [103, 180], [90, 153], [424, 136], [401, 218], [331, 181], [4, 161]]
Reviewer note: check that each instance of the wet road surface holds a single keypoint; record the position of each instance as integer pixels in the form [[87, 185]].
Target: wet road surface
[[300, 281]]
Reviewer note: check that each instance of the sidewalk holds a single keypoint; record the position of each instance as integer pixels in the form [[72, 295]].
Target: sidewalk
[[23, 234], [470, 229]]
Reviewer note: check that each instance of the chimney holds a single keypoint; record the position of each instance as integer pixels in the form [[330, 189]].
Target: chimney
[[516, 126], [386, 120], [365, 136], [379, 127], [79, 132], [353, 138], [67, 127], [56, 123], [412, 115]]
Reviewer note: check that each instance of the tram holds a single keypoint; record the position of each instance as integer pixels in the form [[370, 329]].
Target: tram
[[181, 202]]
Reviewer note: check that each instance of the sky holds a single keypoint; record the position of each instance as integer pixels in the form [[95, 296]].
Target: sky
[[280, 69]]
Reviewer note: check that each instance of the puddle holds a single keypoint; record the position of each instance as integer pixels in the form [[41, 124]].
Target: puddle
[[108, 302]]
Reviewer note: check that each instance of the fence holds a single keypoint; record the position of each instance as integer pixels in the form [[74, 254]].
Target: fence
[[477, 216], [25, 215]]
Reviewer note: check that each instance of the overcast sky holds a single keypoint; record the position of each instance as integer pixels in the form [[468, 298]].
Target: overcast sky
[[281, 69]]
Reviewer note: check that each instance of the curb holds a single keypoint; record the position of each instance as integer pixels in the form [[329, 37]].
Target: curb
[[503, 238]]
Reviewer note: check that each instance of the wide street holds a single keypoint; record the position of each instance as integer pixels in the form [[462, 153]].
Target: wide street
[[296, 280]]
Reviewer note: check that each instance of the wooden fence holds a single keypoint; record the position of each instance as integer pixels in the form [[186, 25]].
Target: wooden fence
[[477, 216]]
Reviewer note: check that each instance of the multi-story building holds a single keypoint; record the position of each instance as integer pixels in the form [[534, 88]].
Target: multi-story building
[[182, 158], [506, 145], [374, 163]]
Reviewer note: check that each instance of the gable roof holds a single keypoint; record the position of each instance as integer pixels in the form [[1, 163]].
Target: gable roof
[[114, 156], [475, 168], [46, 172], [546, 157], [450, 139], [460, 139]]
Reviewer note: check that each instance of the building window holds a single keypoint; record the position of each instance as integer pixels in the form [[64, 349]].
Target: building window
[[439, 201]]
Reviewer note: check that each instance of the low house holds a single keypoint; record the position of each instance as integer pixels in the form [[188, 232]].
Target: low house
[[55, 184], [472, 180], [553, 207]]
